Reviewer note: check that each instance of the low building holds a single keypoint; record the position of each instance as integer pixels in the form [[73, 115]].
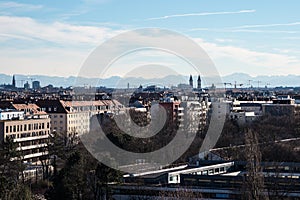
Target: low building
[[211, 180], [243, 117], [279, 109]]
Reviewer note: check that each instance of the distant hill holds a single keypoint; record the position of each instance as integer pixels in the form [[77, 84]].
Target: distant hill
[[171, 80]]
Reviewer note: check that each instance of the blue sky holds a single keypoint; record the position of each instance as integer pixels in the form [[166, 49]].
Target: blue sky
[[55, 37]]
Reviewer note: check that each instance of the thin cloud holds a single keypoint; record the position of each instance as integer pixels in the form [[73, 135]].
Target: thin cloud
[[201, 14], [10, 5], [249, 28], [266, 25], [262, 31], [12, 36], [228, 30]]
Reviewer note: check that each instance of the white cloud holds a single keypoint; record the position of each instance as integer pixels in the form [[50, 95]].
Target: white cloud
[[222, 40], [242, 58], [65, 46], [57, 32], [201, 14]]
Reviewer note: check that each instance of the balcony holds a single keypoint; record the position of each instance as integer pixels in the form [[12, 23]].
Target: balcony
[[31, 147], [36, 155], [180, 114], [31, 138]]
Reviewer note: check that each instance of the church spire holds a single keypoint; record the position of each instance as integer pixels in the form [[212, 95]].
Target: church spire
[[199, 82], [191, 81], [14, 81]]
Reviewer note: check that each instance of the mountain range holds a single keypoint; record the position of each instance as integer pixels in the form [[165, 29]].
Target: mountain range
[[171, 80]]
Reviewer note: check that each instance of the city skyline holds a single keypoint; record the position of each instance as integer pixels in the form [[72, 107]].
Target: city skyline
[[55, 38], [241, 80]]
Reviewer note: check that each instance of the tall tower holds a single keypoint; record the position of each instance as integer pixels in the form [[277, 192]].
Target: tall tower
[[199, 82], [191, 81], [14, 81]]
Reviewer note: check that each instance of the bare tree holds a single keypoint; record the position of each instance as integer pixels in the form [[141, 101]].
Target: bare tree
[[254, 179], [179, 193]]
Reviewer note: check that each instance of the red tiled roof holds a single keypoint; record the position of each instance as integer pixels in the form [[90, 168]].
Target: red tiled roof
[[29, 107]]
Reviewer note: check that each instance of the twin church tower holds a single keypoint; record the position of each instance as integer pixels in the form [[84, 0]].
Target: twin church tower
[[198, 82]]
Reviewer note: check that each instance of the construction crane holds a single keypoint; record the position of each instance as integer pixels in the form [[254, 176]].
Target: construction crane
[[249, 83], [267, 84], [225, 84], [258, 82], [239, 84]]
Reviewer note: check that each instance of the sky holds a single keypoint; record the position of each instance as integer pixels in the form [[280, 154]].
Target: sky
[[54, 37]]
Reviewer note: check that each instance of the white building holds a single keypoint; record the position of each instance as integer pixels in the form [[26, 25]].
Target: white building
[[195, 113], [30, 132], [10, 114]]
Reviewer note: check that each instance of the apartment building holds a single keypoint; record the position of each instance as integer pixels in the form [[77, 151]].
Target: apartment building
[[195, 113], [173, 109], [73, 117], [29, 131]]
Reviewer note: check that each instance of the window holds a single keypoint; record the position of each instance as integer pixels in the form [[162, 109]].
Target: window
[[6, 129], [222, 196]]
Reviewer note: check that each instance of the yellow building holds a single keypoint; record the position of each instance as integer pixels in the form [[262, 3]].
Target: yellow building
[[73, 117]]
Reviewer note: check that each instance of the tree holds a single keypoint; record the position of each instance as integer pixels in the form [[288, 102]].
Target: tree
[[100, 179], [12, 184], [81, 177], [254, 180], [179, 193]]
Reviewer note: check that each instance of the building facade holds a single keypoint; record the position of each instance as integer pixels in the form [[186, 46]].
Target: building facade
[[29, 132], [73, 117]]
